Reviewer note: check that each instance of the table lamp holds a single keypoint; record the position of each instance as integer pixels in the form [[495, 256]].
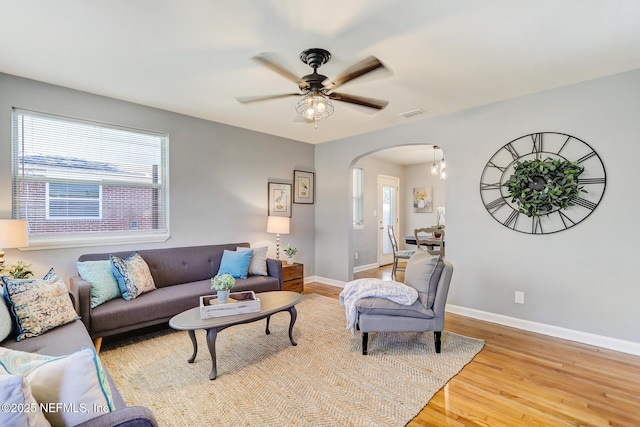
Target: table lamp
[[278, 225], [14, 233]]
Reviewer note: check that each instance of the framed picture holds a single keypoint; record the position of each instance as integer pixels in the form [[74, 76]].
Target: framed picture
[[279, 199], [303, 187], [422, 199]]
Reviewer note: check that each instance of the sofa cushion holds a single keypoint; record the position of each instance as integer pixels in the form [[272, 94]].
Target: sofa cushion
[[16, 391], [38, 305], [133, 275], [104, 286], [419, 271], [77, 379], [386, 307], [235, 263], [258, 265]]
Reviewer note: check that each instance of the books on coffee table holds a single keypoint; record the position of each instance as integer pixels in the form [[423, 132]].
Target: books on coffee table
[[238, 303]]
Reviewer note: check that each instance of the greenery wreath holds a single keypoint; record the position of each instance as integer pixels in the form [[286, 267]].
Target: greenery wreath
[[540, 186]]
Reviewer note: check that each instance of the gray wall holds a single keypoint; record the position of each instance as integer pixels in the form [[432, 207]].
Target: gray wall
[[218, 174], [583, 278], [420, 176]]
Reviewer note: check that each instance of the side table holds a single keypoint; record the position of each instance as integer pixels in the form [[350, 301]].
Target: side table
[[293, 277]]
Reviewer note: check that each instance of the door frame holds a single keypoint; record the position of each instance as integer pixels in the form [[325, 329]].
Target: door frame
[[382, 234]]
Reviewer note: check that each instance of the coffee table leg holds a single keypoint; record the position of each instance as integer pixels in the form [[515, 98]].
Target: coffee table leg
[[212, 334], [267, 331], [294, 316], [192, 335]]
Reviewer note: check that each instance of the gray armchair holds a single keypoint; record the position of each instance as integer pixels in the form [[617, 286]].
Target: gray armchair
[[430, 276]]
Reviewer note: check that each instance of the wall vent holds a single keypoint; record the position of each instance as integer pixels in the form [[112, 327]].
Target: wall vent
[[411, 113]]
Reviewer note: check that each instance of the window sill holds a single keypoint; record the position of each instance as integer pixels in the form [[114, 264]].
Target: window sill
[[358, 227], [76, 241]]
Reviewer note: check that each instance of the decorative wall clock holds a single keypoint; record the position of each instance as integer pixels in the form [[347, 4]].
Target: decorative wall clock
[[543, 183]]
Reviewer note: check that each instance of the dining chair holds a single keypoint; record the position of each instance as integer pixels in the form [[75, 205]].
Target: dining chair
[[397, 254], [431, 238]]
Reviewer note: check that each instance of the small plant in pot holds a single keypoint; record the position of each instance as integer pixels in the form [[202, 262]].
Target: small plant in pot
[[19, 270], [290, 252], [222, 283]]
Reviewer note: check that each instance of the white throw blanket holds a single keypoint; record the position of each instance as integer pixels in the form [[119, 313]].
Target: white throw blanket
[[363, 288]]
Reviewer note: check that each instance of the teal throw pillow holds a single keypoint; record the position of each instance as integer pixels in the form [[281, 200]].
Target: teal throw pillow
[[104, 286], [235, 263]]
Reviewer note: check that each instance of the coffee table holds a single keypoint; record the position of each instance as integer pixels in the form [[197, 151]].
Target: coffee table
[[270, 304]]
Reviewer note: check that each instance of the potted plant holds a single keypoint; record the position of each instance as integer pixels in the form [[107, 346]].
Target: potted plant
[[222, 283], [290, 252], [19, 270]]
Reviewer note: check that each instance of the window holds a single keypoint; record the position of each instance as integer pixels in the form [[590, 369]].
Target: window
[[80, 182], [358, 198], [73, 201]]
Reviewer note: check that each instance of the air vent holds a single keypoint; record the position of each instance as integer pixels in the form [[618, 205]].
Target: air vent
[[411, 113]]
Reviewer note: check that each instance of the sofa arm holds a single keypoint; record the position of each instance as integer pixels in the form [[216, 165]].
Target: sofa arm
[[274, 268], [81, 290], [131, 416]]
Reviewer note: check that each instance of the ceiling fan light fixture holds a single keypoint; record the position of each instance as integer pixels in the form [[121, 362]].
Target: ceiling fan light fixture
[[314, 106]]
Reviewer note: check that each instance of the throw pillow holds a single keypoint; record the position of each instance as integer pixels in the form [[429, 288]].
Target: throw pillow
[[76, 381], [6, 324], [133, 275], [235, 263], [258, 265], [104, 286], [16, 392], [38, 305], [419, 270]]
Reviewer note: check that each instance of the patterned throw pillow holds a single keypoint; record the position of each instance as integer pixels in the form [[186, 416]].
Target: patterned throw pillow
[[77, 380], [104, 286], [38, 305], [133, 275], [6, 324]]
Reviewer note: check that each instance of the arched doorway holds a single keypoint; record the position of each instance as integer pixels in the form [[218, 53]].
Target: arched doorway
[[411, 165]]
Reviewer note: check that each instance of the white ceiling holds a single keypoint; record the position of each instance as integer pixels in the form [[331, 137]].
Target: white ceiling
[[194, 56]]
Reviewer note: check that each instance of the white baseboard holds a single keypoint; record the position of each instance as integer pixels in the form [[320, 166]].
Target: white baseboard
[[324, 280], [365, 267], [616, 344]]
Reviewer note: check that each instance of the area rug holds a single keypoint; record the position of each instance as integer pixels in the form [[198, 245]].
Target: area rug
[[265, 381]]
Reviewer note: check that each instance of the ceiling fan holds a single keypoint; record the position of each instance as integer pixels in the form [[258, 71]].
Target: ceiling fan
[[317, 90]]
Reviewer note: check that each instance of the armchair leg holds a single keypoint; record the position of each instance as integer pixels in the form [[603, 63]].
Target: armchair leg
[[365, 340], [436, 337]]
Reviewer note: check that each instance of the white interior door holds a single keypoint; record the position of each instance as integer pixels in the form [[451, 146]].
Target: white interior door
[[388, 187]]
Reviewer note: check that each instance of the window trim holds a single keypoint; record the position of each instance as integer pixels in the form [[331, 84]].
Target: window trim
[[88, 239]]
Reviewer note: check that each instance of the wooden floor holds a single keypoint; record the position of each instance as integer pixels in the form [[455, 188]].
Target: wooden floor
[[526, 379]]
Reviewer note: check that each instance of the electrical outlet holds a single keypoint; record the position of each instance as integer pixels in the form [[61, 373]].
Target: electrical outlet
[[519, 297], [355, 255]]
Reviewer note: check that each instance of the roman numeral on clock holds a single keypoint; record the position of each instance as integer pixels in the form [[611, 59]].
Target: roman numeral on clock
[[512, 151], [588, 156], [492, 186], [584, 203], [512, 220], [536, 225], [537, 144], [591, 180], [496, 204]]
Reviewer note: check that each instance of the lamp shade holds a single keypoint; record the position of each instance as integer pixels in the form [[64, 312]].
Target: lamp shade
[[278, 224], [14, 233]]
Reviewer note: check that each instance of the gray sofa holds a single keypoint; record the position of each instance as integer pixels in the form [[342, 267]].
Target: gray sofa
[[181, 276], [68, 339]]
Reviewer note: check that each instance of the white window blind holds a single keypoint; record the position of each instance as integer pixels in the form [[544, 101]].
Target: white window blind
[[358, 197], [82, 179]]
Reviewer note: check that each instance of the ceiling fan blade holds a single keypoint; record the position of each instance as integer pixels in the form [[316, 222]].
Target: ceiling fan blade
[[267, 60], [250, 99], [377, 104], [363, 67]]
